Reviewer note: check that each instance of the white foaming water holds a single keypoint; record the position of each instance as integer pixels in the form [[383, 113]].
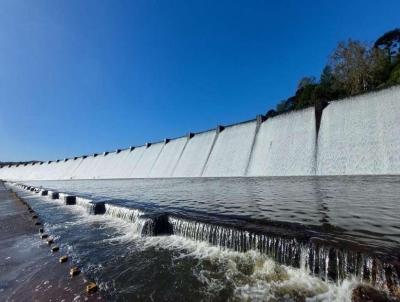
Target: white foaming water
[[231, 151], [360, 135], [86, 169], [195, 155], [170, 154], [84, 203], [70, 169], [131, 162], [108, 165], [120, 164], [147, 160], [255, 276], [285, 145], [130, 215], [357, 136]]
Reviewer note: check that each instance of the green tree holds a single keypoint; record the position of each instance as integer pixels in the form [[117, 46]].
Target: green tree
[[358, 68], [305, 81], [353, 68], [389, 41], [394, 77]]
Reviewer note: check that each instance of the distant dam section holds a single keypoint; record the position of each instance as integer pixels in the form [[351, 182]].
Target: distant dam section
[[354, 136]]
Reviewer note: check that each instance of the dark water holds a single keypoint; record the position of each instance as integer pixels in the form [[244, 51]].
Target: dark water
[[364, 209], [210, 257]]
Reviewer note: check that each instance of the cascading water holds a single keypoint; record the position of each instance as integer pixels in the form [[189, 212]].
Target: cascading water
[[356, 136], [317, 257], [141, 224], [285, 145], [168, 158], [194, 157], [326, 262], [231, 152], [86, 203], [112, 164], [360, 135], [147, 160]]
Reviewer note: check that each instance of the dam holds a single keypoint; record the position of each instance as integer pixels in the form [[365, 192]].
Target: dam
[[356, 136], [303, 205]]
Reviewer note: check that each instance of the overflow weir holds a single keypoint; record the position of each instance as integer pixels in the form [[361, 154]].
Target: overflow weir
[[291, 245], [354, 136]]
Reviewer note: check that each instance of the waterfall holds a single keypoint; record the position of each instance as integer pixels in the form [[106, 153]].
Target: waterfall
[[360, 135], [89, 205], [322, 260], [131, 162], [231, 151], [86, 168], [195, 155], [168, 158], [147, 160], [357, 135], [328, 260], [141, 224], [285, 145], [69, 171], [112, 164]]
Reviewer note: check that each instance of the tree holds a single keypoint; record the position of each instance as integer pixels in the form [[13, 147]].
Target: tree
[[329, 87], [305, 96], [283, 106], [358, 68], [353, 68], [389, 41], [327, 78], [394, 77], [305, 81]]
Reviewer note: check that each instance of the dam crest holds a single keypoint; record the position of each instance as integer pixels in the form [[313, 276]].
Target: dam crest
[[354, 136]]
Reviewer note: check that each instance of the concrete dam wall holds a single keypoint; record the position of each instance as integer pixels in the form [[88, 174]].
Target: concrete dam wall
[[358, 135]]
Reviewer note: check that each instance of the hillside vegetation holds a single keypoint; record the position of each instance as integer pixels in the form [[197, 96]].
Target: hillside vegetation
[[354, 67]]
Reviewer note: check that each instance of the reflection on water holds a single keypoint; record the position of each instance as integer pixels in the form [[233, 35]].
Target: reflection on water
[[362, 209], [130, 267], [212, 256]]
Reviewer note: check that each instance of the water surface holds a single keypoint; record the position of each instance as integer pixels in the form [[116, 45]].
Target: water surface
[[359, 209]]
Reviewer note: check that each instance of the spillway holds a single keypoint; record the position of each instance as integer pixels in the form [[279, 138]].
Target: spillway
[[231, 152], [147, 160], [354, 136], [285, 145], [166, 162], [360, 135], [195, 155], [131, 161]]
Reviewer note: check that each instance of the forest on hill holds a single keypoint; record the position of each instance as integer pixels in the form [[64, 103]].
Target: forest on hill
[[353, 68]]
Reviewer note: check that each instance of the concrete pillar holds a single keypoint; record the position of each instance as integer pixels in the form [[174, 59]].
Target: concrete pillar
[[318, 109], [260, 119], [69, 200], [220, 129], [98, 207]]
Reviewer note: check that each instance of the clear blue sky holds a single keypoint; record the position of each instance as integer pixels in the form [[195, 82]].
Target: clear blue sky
[[79, 77]]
